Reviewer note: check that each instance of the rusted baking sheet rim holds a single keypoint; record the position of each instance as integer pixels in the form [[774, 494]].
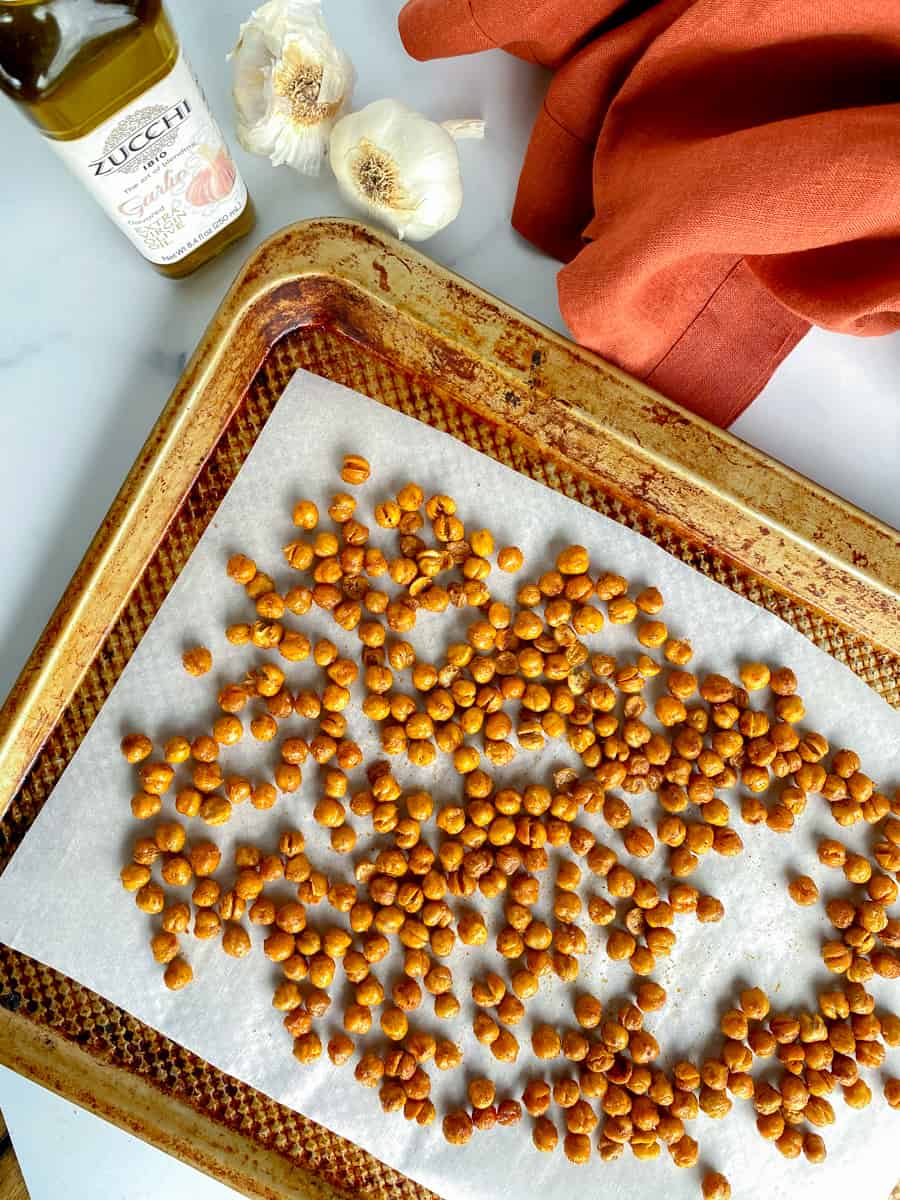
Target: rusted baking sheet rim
[[155, 1116], [687, 474]]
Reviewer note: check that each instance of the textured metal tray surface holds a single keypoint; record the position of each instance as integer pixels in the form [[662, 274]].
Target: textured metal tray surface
[[346, 304]]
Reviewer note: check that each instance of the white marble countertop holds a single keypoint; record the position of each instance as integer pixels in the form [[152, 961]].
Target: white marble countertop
[[92, 340]]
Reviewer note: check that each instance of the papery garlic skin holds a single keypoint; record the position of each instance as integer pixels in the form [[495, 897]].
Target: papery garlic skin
[[291, 83], [398, 167]]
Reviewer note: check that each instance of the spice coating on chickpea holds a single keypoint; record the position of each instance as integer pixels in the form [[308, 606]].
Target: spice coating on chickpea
[[510, 559], [715, 1186], [457, 1128], [136, 747], [545, 1135], [197, 661], [178, 974], [803, 891], [355, 469]]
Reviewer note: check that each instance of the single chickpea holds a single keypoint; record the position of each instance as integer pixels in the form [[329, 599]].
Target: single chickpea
[[236, 941], [831, 853], [620, 945], [394, 1024], [783, 682], [715, 1186], [650, 601], [803, 891], [264, 727], [504, 1047], [588, 1011], [207, 777], [620, 882], [545, 1042], [357, 1018], [207, 923], [164, 946], [509, 1112], [241, 569], [457, 1128], [178, 974], [814, 1148], [307, 1047], [715, 1104], [369, 1070], [177, 750], [481, 1092], [136, 747], [197, 661], [489, 991], [447, 1055], [524, 984], [260, 583], [145, 852], [650, 996], [684, 1152], [678, 651], [206, 893], [215, 810], [536, 1097], [857, 868], [544, 1135], [577, 1147], [600, 911], [511, 1010], [406, 994], [485, 1028], [156, 778], [227, 730], [638, 841], [305, 515], [857, 1095], [471, 929], [134, 876], [709, 909], [355, 469], [176, 918], [790, 1144], [621, 610], [176, 871], [652, 634]]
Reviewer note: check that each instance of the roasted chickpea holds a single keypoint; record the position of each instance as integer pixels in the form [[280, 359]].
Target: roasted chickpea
[[178, 974], [803, 891], [715, 1186], [197, 661]]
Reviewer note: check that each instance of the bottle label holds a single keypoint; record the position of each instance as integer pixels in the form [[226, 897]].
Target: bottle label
[[161, 169]]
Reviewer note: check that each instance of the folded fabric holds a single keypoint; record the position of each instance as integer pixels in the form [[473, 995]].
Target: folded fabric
[[717, 174]]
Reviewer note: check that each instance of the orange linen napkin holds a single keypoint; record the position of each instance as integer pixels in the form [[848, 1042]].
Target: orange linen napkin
[[718, 174]]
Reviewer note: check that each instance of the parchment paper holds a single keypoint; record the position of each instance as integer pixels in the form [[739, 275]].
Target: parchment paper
[[61, 902]]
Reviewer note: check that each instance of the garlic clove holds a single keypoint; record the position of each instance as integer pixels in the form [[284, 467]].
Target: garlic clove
[[399, 167], [290, 84]]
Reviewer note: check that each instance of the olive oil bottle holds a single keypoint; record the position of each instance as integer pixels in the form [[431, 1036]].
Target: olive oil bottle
[[107, 85]]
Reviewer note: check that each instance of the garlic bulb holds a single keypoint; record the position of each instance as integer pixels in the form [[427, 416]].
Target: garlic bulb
[[290, 84], [399, 167]]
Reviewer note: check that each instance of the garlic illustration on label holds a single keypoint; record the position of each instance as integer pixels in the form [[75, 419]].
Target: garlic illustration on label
[[291, 82], [401, 168], [213, 182]]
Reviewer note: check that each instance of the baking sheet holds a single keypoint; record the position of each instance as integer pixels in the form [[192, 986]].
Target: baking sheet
[[60, 900]]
